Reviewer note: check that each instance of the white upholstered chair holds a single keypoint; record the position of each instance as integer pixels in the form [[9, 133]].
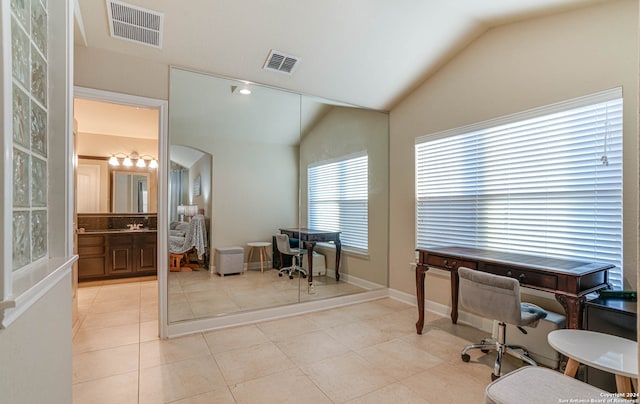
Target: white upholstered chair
[[497, 297], [282, 242]]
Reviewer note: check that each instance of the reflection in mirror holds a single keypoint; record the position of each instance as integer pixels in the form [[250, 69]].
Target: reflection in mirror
[[103, 189], [129, 192], [259, 186]]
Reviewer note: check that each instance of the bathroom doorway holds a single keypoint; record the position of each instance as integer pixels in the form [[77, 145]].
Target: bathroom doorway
[[119, 133]]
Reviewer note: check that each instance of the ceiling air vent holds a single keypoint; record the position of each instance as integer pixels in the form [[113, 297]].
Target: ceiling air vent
[[135, 24], [281, 62]]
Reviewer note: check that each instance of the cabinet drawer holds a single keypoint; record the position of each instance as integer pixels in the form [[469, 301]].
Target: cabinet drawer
[[448, 262], [532, 278], [89, 240], [91, 267], [91, 250]]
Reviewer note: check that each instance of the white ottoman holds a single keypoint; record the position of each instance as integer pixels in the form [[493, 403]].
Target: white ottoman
[[319, 264], [229, 260], [538, 385]]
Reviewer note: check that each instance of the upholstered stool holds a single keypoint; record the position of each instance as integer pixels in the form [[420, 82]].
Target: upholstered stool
[[538, 385]]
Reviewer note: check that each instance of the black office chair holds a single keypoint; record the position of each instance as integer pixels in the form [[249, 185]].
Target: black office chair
[[282, 242], [497, 297]]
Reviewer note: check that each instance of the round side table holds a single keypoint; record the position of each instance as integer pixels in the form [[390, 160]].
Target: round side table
[[606, 352], [262, 248]]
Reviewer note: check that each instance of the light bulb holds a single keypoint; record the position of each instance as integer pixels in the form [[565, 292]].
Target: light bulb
[[113, 160], [140, 163], [245, 91], [153, 163], [127, 162]]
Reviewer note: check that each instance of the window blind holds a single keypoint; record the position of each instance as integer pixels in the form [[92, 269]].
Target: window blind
[[547, 182], [338, 195]]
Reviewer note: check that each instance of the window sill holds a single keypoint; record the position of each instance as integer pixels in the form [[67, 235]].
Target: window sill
[[30, 284], [353, 252]]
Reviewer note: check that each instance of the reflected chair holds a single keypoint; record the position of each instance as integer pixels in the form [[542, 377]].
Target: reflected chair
[[282, 242], [497, 297]]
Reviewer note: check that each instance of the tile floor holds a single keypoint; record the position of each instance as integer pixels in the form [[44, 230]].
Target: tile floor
[[203, 294], [363, 353]]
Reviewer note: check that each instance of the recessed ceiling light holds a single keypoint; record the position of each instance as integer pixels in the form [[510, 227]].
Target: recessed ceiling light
[[245, 91]]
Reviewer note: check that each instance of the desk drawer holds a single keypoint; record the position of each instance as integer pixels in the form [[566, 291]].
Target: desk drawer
[[448, 262], [531, 278]]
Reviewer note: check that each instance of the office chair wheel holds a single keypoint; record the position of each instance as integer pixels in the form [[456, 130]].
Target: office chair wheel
[[290, 276], [484, 341], [494, 377], [304, 275], [465, 357], [280, 274]]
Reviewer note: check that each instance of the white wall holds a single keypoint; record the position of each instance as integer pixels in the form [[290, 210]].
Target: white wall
[[110, 71], [510, 69], [35, 351], [201, 168], [341, 132]]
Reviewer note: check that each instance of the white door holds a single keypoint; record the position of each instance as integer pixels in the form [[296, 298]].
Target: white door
[[88, 191]]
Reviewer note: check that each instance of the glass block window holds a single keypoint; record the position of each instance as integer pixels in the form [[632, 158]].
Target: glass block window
[[29, 42]]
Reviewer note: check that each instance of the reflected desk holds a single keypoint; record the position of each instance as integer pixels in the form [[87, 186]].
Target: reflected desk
[[569, 280], [310, 237]]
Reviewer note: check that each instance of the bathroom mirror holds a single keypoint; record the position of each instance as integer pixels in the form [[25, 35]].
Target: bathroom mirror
[[105, 189], [129, 192], [261, 145]]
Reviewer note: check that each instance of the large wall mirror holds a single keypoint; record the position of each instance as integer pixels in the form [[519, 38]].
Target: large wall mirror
[[261, 147]]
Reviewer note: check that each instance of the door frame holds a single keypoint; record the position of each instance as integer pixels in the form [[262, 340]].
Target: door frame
[[162, 106]]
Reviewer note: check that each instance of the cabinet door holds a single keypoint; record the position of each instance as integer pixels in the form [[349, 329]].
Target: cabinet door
[[120, 247], [146, 253], [146, 258]]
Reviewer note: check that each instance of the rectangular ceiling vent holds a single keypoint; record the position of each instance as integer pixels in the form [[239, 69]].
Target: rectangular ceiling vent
[[281, 62], [136, 24]]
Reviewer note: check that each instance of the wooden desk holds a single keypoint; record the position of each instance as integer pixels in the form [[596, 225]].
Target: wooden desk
[[310, 237], [570, 281]]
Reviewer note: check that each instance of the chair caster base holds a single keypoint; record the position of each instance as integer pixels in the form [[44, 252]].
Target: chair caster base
[[465, 357], [494, 377]]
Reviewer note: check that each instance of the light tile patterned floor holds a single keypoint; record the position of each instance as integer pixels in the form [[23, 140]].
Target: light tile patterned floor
[[203, 294], [363, 353]]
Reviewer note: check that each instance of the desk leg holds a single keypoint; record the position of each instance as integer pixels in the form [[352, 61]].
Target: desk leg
[[572, 367], [310, 245], [338, 252], [455, 284], [573, 310], [420, 273]]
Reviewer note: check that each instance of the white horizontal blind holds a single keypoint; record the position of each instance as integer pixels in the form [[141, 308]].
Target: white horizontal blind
[[547, 185], [338, 194]]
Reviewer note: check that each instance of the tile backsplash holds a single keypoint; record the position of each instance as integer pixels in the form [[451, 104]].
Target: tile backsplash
[[113, 221]]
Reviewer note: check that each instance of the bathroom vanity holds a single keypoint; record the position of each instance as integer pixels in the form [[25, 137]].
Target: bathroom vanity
[[109, 247]]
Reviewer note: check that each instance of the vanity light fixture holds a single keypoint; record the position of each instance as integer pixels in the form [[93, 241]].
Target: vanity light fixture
[[129, 160]]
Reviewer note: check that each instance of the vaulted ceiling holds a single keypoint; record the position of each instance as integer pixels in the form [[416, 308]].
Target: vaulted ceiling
[[370, 53]]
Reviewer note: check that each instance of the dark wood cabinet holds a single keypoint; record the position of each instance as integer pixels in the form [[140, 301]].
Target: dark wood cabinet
[[609, 316], [104, 255], [92, 252], [145, 253]]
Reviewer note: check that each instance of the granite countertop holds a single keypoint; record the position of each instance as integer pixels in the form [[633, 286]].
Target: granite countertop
[[116, 231]]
